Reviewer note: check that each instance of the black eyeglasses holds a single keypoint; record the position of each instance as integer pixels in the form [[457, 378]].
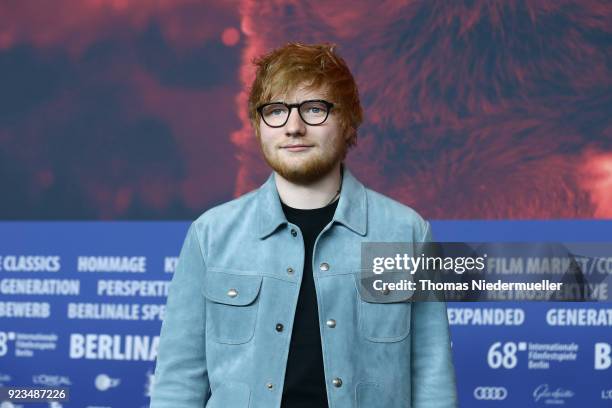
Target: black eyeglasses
[[313, 112]]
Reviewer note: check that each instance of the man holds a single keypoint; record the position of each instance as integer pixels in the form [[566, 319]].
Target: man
[[264, 308]]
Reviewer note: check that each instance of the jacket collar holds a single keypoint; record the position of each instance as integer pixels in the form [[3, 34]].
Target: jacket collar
[[351, 211]]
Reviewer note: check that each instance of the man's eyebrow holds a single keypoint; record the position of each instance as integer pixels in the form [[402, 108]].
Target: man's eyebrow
[[291, 103]]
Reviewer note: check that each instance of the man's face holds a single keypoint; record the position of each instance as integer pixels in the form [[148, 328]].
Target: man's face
[[302, 153]]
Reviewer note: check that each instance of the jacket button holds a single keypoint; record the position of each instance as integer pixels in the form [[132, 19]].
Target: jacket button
[[293, 232], [279, 327], [232, 293], [331, 323], [337, 382], [324, 266], [269, 386], [289, 270]]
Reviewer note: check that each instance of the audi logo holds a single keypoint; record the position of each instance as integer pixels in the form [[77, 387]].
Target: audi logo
[[490, 393]]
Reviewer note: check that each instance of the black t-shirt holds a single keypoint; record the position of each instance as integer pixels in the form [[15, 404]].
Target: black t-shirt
[[305, 380]]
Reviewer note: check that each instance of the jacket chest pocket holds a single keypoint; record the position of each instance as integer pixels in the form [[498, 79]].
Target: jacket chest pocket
[[231, 310], [383, 318]]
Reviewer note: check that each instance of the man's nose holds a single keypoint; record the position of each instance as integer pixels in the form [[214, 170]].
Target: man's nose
[[295, 126]]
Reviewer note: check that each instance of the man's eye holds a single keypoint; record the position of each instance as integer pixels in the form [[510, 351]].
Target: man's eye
[[275, 112]]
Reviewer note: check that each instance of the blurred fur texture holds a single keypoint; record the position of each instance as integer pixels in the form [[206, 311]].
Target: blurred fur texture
[[477, 109], [474, 109]]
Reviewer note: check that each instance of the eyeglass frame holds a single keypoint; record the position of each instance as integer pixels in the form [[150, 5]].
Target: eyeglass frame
[[290, 106]]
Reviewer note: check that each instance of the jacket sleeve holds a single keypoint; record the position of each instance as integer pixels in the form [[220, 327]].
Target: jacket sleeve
[[433, 373], [181, 377]]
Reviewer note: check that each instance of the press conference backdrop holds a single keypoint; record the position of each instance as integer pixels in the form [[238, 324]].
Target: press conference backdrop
[[521, 355]]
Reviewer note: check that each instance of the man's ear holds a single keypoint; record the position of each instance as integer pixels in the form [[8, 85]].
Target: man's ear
[[350, 137]]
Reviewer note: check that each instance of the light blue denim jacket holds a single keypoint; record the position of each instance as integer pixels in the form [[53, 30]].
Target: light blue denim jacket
[[239, 275]]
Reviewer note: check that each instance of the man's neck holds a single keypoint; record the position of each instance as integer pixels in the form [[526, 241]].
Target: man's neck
[[314, 195]]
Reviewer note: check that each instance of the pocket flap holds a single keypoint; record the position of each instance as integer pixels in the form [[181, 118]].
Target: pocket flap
[[370, 288], [230, 288]]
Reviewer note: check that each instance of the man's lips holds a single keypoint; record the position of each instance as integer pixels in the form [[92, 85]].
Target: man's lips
[[296, 147]]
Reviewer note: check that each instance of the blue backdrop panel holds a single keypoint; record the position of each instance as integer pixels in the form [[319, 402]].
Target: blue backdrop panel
[[68, 317]]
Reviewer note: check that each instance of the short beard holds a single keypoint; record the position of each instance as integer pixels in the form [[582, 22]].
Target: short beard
[[313, 170]]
